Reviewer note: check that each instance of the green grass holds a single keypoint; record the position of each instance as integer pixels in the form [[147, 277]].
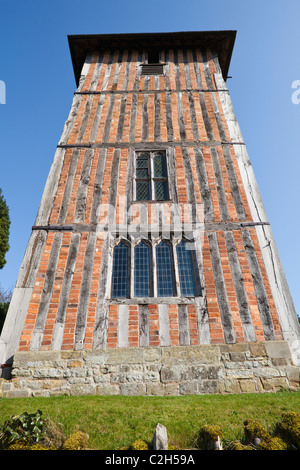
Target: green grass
[[113, 422]]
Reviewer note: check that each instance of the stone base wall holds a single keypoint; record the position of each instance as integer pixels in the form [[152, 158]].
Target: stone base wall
[[182, 370]]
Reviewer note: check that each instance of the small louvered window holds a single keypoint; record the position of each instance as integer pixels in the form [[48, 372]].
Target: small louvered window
[[152, 69], [154, 66]]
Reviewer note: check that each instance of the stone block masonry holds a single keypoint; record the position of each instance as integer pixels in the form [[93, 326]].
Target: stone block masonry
[[161, 371]]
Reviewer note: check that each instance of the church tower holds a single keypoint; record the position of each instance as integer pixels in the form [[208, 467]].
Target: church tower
[[151, 264]]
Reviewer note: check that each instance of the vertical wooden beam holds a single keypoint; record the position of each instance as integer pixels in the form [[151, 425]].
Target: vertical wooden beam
[[47, 292], [85, 291], [100, 330], [221, 290], [210, 85], [157, 117], [65, 291], [258, 282], [204, 186], [183, 320], [164, 333], [235, 190], [220, 186], [83, 186], [123, 319], [145, 123], [190, 185], [202, 320], [98, 186], [144, 328], [240, 288]]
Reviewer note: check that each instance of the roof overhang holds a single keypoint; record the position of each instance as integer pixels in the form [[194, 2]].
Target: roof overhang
[[220, 42]]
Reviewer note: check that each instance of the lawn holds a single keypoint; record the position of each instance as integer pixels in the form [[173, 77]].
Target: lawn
[[113, 422]]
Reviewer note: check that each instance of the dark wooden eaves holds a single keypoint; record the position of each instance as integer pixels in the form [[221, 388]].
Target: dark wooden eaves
[[221, 42]]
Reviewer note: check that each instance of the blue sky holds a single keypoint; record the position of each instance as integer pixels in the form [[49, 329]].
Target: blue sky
[[36, 68]]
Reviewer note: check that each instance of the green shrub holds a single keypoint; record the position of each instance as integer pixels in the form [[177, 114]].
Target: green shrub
[[23, 429]]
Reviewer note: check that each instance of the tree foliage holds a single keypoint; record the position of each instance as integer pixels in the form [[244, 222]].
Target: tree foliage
[[5, 298], [3, 312], [4, 230]]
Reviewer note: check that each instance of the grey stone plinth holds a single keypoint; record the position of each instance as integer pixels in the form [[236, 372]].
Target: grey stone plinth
[[181, 370]]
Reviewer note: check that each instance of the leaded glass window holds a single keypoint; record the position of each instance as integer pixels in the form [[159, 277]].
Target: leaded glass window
[[186, 270], [165, 270], [151, 176], [143, 263], [142, 275], [120, 271], [143, 171], [160, 177]]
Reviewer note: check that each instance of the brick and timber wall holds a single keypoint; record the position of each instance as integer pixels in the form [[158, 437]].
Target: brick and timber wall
[[62, 297]]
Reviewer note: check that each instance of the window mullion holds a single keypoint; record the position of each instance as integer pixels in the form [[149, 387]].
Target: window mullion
[[131, 280], [154, 271], [151, 271], [176, 269], [152, 195]]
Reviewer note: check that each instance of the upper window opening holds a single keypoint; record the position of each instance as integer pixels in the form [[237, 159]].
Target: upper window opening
[[153, 67], [151, 177], [153, 57]]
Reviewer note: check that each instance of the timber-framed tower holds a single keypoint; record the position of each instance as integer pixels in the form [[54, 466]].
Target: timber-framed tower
[[151, 265]]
